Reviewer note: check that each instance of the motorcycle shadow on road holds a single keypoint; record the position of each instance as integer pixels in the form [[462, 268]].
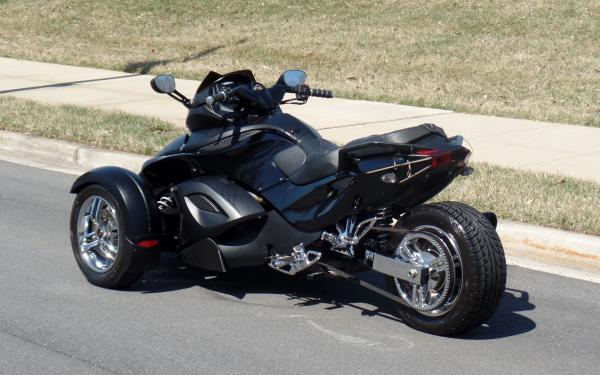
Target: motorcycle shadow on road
[[506, 321], [256, 286]]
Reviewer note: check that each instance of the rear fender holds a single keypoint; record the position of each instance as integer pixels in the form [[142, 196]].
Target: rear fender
[[492, 218]]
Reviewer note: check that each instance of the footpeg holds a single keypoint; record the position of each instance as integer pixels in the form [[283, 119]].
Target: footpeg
[[299, 260], [349, 236]]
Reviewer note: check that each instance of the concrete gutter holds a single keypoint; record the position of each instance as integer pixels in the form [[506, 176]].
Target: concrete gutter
[[530, 246]]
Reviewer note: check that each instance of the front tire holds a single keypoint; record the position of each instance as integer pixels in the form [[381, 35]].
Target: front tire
[[477, 278], [98, 228]]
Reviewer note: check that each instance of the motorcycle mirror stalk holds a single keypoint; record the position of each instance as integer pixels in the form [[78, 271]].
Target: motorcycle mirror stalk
[[165, 84]]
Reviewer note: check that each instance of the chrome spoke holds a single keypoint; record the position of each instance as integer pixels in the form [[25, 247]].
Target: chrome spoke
[[95, 210], [414, 295], [87, 247], [87, 227], [111, 250], [87, 236]]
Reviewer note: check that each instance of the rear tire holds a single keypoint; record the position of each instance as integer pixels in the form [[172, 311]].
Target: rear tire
[[482, 270], [101, 267]]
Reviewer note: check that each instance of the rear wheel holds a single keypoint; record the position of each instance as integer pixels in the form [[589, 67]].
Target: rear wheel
[[98, 239], [466, 264]]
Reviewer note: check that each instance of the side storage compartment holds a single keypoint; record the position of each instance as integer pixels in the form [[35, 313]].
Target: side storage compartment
[[214, 207], [211, 204], [223, 226]]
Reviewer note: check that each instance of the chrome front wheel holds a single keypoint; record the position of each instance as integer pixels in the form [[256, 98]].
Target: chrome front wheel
[[98, 238], [98, 234]]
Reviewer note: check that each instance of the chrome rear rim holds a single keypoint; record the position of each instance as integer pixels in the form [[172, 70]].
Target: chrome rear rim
[[98, 234], [439, 252]]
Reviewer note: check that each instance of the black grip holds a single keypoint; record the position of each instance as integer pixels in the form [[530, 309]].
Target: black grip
[[321, 93]]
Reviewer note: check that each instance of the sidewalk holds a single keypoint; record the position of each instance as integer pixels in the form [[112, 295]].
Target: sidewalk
[[556, 148]]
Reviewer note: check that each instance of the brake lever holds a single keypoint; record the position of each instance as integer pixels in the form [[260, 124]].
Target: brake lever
[[294, 101]]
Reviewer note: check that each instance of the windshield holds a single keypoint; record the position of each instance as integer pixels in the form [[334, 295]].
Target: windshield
[[213, 77]]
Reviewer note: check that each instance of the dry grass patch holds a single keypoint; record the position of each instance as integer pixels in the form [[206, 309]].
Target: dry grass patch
[[529, 197], [534, 59]]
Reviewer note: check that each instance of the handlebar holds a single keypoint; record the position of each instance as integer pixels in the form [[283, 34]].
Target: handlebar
[[218, 97], [263, 100]]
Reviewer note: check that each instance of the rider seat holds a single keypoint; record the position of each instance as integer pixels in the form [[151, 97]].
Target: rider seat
[[315, 159]]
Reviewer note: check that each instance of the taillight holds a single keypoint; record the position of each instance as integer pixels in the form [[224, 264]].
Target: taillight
[[438, 157], [148, 244]]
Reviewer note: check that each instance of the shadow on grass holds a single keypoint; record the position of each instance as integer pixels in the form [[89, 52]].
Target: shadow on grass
[[144, 67], [245, 285]]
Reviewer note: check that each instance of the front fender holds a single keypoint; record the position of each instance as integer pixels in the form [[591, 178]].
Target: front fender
[[142, 220]]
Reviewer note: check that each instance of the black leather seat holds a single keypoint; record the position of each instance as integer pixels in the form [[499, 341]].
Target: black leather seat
[[312, 160], [408, 135], [309, 161]]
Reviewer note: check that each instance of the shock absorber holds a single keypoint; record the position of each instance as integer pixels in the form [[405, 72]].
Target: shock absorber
[[384, 219], [167, 204]]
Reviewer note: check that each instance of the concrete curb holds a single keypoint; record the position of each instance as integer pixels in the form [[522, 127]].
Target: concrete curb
[[530, 246], [551, 250], [62, 156]]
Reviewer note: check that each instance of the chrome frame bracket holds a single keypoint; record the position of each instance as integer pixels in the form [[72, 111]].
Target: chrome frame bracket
[[397, 268], [298, 260]]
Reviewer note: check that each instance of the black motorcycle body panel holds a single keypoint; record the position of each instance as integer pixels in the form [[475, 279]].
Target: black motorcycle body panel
[[239, 230], [201, 117], [210, 205], [250, 189], [131, 189]]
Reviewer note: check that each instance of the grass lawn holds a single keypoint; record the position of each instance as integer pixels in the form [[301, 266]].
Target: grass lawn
[[102, 129], [534, 59], [536, 198], [530, 197]]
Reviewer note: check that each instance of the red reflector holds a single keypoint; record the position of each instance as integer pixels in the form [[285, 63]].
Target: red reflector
[[147, 244], [438, 157]]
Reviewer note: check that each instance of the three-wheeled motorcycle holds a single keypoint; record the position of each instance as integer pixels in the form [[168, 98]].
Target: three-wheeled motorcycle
[[250, 185]]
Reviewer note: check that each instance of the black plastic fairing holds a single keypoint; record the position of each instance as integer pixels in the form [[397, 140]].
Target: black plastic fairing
[[175, 146], [131, 191], [204, 116], [418, 177], [248, 243], [213, 77], [204, 254], [210, 205], [242, 232]]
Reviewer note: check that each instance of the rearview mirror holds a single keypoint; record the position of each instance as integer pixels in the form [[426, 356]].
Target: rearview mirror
[[163, 84], [292, 78]]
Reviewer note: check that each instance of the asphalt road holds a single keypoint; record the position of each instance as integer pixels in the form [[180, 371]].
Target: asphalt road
[[178, 321]]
